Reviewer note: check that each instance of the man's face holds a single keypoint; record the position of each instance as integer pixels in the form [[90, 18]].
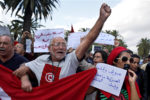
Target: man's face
[[135, 64], [19, 48], [6, 46], [58, 49]]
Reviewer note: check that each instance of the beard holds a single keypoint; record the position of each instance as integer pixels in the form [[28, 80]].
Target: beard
[[57, 55]]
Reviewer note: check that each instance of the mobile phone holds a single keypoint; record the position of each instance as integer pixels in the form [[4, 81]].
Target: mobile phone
[[126, 66]]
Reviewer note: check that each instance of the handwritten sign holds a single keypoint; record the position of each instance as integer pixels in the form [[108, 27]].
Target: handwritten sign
[[42, 38], [109, 78], [74, 39], [105, 38]]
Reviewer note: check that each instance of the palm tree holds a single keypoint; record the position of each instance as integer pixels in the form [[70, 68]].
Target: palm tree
[[38, 8], [1, 22], [113, 32], [143, 47], [16, 26], [83, 29], [2, 4]]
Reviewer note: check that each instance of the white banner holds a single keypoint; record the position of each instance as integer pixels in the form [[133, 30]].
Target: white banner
[[43, 37], [109, 78], [3, 95], [103, 38]]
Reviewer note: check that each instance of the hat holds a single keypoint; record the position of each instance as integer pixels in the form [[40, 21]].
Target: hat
[[4, 30], [16, 42], [114, 53]]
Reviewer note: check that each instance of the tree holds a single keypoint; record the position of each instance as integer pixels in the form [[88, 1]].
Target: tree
[[143, 47], [16, 26], [83, 29], [38, 8], [1, 22], [2, 4], [113, 32]]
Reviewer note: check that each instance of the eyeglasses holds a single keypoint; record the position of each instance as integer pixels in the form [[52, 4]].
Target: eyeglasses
[[97, 57], [59, 44], [124, 59]]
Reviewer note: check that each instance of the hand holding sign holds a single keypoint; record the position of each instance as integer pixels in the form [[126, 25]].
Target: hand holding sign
[[109, 78]]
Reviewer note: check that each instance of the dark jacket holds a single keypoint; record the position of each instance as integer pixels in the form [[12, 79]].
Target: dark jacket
[[148, 77], [142, 82]]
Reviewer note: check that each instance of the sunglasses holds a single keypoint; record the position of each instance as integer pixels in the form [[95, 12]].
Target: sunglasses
[[124, 59]]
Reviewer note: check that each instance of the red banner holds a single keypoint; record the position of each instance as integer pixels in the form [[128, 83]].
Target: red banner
[[73, 87]]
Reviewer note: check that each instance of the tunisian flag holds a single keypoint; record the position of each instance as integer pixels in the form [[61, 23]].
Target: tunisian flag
[[73, 87]]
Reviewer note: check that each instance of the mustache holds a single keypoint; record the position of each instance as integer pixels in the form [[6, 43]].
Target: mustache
[[2, 49]]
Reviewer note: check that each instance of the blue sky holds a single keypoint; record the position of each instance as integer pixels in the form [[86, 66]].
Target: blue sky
[[131, 18]]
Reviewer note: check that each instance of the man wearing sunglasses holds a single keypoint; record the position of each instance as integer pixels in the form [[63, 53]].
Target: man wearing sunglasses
[[142, 79]]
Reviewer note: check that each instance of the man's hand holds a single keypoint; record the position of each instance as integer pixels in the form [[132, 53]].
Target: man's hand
[[21, 71], [105, 12], [26, 84]]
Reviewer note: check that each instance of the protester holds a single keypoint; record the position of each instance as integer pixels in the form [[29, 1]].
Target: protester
[[8, 58], [99, 56], [120, 57], [19, 49], [144, 64], [27, 35], [141, 76], [147, 70], [58, 65]]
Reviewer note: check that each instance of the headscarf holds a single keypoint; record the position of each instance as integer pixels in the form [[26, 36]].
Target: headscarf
[[114, 53]]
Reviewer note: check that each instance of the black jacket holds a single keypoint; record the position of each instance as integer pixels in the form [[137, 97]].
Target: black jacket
[[142, 83], [148, 77]]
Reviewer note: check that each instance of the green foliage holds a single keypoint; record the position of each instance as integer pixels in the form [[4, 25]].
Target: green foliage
[[2, 5], [16, 26], [83, 29], [143, 47], [39, 8]]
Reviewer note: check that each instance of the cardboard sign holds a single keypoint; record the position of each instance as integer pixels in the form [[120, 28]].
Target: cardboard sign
[[103, 38], [42, 38], [109, 78]]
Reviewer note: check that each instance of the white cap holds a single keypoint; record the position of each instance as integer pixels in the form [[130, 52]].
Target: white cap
[[4, 30]]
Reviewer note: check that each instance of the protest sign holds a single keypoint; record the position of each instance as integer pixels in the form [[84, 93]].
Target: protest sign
[[109, 78], [103, 38], [42, 38], [75, 39], [28, 45]]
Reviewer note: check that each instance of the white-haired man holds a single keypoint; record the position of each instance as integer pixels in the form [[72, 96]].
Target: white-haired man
[[49, 68]]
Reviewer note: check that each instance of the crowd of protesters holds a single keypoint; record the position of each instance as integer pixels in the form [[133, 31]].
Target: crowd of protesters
[[60, 62]]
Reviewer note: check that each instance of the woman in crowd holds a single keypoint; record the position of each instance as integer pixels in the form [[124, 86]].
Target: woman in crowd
[[98, 57], [120, 57]]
